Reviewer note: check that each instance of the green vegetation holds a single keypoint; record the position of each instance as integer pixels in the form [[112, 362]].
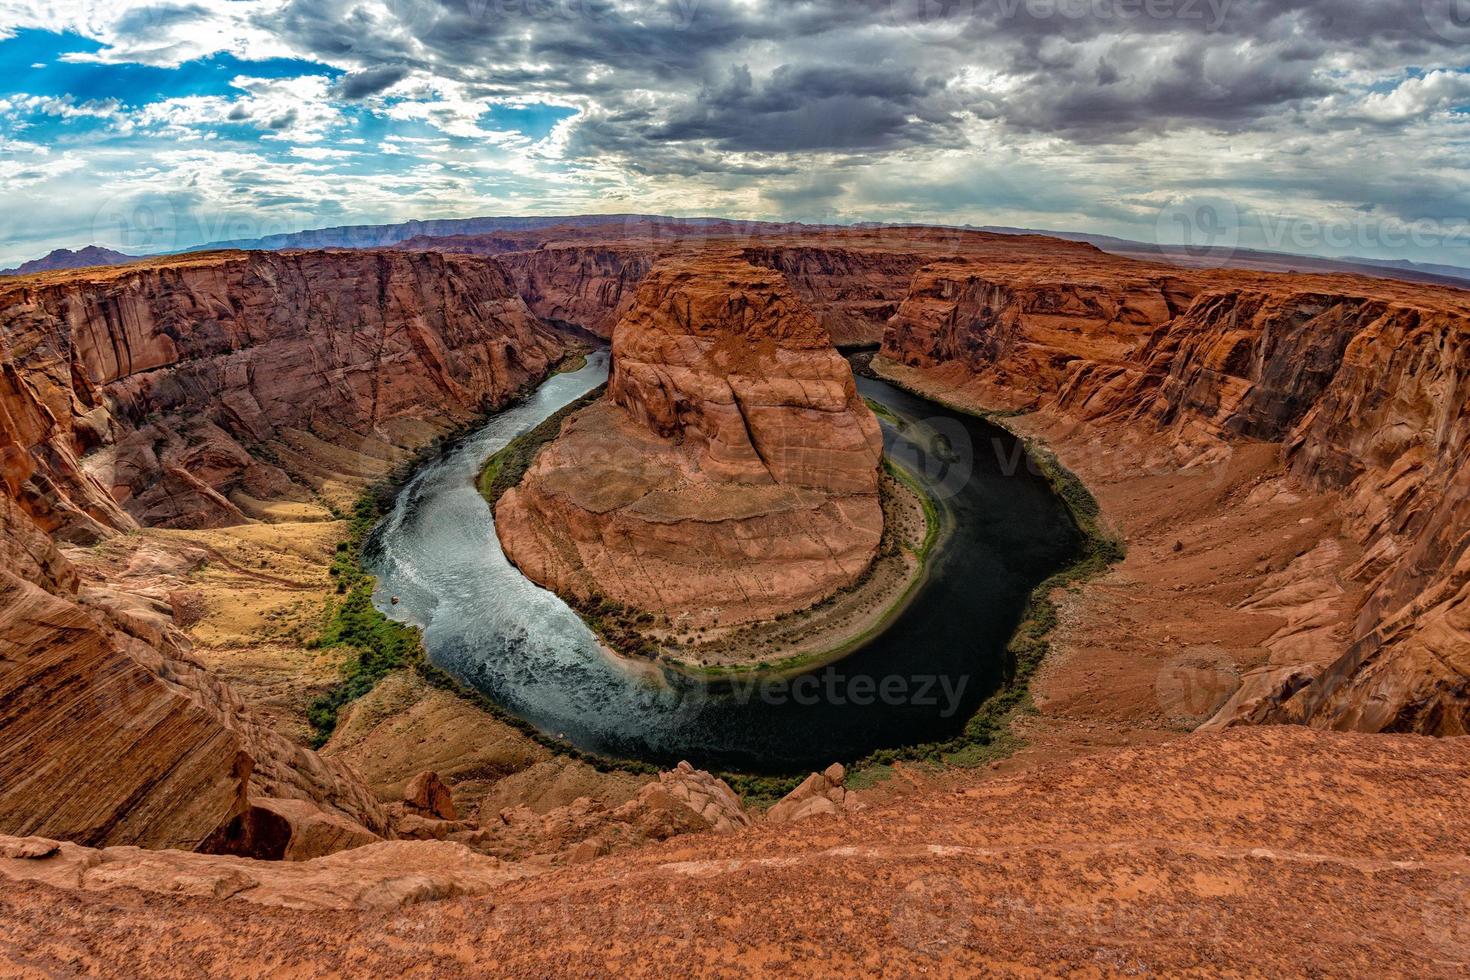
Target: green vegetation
[[931, 509], [574, 361], [883, 412], [505, 469], [381, 646], [802, 662]]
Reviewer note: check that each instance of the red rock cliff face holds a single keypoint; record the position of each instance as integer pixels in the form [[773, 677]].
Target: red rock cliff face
[[586, 286], [184, 382], [722, 355], [731, 473], [1362, 382], [1022, 326], [1370, 396], [853, 291], [148, 394]]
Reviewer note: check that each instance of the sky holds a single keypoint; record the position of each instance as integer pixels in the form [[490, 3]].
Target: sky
[[1331, 127]]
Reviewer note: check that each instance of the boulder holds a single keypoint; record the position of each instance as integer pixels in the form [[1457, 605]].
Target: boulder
[[820, 794], [426, 794]]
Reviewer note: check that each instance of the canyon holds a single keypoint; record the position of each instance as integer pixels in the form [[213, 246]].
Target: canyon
[[1284, 455]]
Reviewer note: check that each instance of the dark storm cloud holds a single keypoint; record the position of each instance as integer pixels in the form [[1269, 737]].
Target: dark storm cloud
[[361, 84], [875, 76], [813, 108], [142, 20]]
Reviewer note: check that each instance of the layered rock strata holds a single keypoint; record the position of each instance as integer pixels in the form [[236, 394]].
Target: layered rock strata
[[167, 389], [1361, 383], [854, 291], [731, 472], [589, 287], [164, 394]]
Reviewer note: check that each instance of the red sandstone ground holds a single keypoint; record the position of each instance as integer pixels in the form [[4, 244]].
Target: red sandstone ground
[[1255, 852]]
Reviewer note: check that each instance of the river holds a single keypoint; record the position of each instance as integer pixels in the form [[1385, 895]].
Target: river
[[918, 680]]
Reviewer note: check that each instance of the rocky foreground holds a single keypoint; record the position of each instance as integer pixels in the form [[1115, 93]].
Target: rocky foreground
[[1277, 851], [729, 475]]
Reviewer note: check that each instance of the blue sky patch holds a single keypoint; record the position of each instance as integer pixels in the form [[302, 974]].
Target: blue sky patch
[[534, 121], [128, 83]]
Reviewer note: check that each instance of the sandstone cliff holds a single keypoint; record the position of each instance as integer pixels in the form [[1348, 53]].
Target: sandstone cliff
[[589, 287], [853, 291], [164, 393], [1019, 326], [1360, 382], [731, 473], [186, 382]]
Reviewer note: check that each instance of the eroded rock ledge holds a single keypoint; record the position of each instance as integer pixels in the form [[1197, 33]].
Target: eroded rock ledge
[[174, 393], [729, 475]]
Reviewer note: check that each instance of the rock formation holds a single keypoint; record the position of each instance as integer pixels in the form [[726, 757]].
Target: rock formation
[[384, 875], [187, 382], [820, 794], [163, 393], [1362, 384], [588, 286], [1017, 326], [427, 794], [1251, 851], [854, 291], [731, 473]]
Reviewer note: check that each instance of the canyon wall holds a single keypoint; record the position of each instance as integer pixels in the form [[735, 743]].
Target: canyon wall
[[589, 287], [185, 382], [1018, 328], [1363, 383], [172, 393], [1368, 390], [853, 291], [731, 472]]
